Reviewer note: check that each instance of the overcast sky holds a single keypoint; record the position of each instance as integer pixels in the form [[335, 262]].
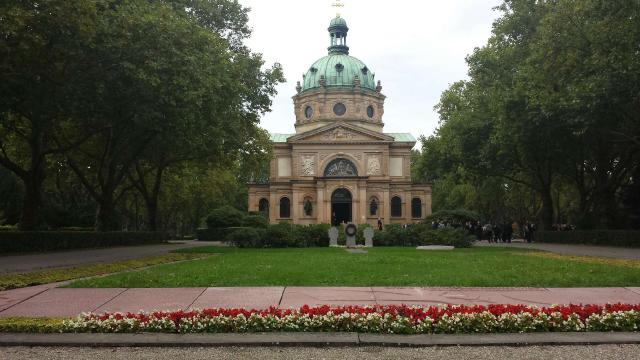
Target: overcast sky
[[415, 47]]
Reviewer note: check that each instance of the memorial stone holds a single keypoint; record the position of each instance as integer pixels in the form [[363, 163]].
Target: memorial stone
[[368, 237], [333, 236]]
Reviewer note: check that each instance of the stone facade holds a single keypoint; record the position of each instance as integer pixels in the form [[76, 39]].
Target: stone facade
[[340, 166]]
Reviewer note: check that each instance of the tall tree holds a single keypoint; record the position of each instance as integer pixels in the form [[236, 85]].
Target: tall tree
[[41, 64]]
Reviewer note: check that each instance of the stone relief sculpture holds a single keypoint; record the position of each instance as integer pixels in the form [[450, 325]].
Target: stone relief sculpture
[[373, 166], [341, 167], [308, 166], [339, 134]]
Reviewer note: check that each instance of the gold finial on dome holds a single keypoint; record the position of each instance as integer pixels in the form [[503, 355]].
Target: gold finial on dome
[[338, 4]]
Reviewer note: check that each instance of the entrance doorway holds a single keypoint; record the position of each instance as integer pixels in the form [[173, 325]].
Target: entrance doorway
[[340, 207]]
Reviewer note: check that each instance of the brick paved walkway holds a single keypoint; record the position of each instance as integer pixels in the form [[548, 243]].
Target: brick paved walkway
[[47, 300]]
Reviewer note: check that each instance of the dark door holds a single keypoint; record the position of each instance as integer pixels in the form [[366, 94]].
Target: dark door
[[341, 207]]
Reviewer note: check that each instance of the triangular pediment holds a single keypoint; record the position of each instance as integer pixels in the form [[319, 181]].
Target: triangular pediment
[[340, 132]]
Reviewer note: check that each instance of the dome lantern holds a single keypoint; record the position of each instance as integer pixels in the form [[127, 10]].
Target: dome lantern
[[338, 30]]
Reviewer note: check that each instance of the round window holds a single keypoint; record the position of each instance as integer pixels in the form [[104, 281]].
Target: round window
[[308, 112], [370, 111], [339, 109]]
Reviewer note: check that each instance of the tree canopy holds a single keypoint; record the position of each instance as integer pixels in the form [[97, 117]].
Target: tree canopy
[[116, 93], [547, 124]]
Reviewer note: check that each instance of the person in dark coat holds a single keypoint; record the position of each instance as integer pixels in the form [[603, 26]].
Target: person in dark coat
[[379, 224]]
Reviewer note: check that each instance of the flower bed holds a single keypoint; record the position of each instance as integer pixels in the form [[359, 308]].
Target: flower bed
[[371, 319]]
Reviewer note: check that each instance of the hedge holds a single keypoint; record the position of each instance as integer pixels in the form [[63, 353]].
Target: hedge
[[15, 241], [218, 234], [421, 235], [625, 238]]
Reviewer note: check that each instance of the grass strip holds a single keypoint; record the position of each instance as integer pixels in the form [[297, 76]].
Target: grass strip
[[475, 267], [632, 264], [39, 325], [20, 280]]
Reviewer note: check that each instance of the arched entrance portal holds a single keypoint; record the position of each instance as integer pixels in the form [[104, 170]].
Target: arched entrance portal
[[341, 207]]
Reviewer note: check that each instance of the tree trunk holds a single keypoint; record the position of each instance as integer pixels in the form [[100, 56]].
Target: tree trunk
[[30, 219], [547, 208], [152, 213], [106, 219]]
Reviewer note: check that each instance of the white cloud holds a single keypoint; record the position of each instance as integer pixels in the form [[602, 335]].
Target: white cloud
[[417, 48]]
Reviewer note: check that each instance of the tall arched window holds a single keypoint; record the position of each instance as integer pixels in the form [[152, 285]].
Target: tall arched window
[[396, 207], [373, 207], [416, 208], [285, 208], [263, 207]]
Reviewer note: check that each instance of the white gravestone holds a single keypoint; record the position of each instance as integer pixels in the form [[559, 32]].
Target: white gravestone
[[368, 237], [333, 236]]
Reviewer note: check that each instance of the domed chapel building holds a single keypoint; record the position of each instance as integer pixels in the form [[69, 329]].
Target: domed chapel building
[[340, 166]]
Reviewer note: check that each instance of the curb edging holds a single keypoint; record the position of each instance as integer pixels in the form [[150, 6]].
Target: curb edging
[[314, 339]]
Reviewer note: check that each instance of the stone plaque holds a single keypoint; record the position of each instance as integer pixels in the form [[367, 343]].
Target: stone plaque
[[308, 165], [373, 166], [333, 236], [368, 237]]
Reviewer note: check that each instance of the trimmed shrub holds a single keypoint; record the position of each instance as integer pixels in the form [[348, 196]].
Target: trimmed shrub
[[14, 241], [420, 235], [255, 221], [279, 236], [310, 235], [246, 237], [225, 217], [624, 238]]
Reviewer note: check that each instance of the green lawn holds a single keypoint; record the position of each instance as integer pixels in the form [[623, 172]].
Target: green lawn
[[381, 266]]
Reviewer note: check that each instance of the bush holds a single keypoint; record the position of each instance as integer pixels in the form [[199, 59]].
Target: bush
[[246, 237], [255, 221], [14, 241], [279, 236], [311, 235], [624, 238], [421, 235], [225, 217]]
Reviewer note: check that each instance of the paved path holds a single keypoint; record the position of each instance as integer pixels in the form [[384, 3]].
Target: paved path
[[60, 302], [578, 250], [64, 259]]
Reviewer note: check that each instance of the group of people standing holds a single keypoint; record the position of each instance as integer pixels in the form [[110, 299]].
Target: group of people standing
[[504, 232]]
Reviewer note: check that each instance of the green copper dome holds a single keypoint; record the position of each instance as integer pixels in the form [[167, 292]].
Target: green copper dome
[[338, 22], [338, 69]]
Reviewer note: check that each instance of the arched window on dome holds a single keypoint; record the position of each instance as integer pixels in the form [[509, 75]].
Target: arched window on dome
[[396, 207]]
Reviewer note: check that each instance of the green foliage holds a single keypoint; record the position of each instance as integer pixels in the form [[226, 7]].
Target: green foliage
[[548, 123], [591, 237], [255, 221], [11, 241], [457, 216], [120, 94], [224, 217], [420, 235], [31, 325], [246, 237]]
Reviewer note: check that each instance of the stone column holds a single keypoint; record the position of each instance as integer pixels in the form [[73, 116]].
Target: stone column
[[320, 203], [363, 203], [295, 207], [387, 207]]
